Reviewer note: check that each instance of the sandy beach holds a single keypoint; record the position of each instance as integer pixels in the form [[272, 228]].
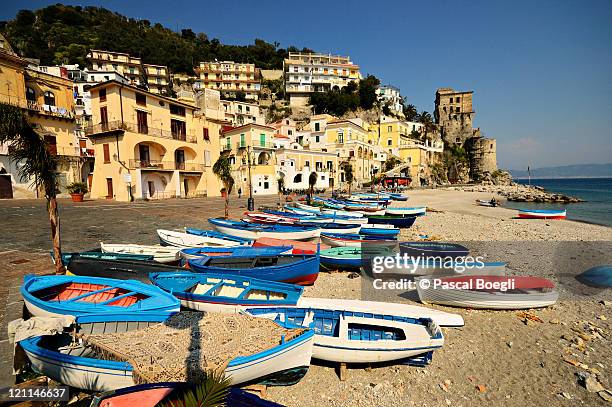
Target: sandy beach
[[499, 357]]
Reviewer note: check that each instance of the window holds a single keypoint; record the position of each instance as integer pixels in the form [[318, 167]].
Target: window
[[266, 185], [307, 164], [106, 153], [102, 94], [49, 98], [207, 158], [178, 129], [30, 94], [389, 142], [177, 110], [141, 122], [262, 140], [458, 100], [159, 71], [141, 99], [330, 165], [340, 136], [206, 136], [248, 108], [389, 129], [297, 179], [317, 126], [316, 139], [319, 165], [289, 132]]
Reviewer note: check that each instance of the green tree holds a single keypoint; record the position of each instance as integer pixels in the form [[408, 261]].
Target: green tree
[[391, 163], [312, 180], [349, 177], [367, 91], [223, 170], [410, 111], [428, 124], [36, 162]]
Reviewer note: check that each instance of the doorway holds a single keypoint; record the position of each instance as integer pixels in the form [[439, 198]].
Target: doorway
[[109, 188]]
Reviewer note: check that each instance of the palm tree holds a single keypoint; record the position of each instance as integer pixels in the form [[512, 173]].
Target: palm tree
[[223, 170], [37, 162], [348, 175], [281, 187], [427, 121], [410, 112], [312, 180]]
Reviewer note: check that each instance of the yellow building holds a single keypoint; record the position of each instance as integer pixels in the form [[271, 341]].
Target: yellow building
[[148, 146], [49, 102], [389, 133], [252, 143], [420, 155], [349, 138], [157, 76], [230, 77]]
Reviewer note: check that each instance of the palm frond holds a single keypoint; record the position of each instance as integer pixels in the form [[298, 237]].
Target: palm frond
[[211, 392]]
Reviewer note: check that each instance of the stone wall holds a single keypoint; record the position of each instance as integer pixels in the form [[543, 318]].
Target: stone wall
[[483, 156]]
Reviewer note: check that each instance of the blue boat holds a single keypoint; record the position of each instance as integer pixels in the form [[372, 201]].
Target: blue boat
[[399, 221], [57, 295], [225, 293], [341, 258], [599, 276], [218, 235], [238, 251], [81, 367], [397, 196], [381, 230], [287, 268], [67, 256], [254, 231], [434, 249], [362, 337], [356, 240]]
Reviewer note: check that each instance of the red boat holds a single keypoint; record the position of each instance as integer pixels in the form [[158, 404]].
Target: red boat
[[298, 247]]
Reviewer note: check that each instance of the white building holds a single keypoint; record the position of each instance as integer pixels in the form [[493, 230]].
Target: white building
[[390, 96], [240, 113], [296, 164], [306, 73]]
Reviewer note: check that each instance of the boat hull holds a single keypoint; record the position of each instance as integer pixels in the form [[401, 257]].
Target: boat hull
[[160, 254], [292, 234], [415, 211], [118, 269], [541, 214], [399, 221]]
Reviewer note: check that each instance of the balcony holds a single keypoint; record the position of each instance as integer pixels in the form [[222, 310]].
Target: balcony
[[226, 147], [157, 165], [241, 144], [118, 125], [262, 145]]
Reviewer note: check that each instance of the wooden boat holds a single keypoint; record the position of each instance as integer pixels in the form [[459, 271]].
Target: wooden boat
[[185, 240], [308, 208], [485, 291], [598, 276], [341, 258], [490, 203], [358, 337], [385, 230], [240, 251], [77, 365], [333, 227], [146, 395], [413, 211], [67, 256], [397, 196], [234, 294], [329, 203], [426, 266], [51, 296], [117, 269], [264, 217], [433, 249], [355, 240], [327, 225], [339, 212], [399, 221], [542, 213], [254, 231], [298, 247], [225, 293], [320, 218], [214, 233], [287, 268], [161, 254]]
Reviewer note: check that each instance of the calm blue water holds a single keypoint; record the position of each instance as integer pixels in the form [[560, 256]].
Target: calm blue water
[[596, 191]]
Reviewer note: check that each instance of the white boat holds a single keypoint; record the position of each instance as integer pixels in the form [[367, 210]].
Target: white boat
[[542, 213], [307, 208], [340, 212], [520, 292], [254, 231], [161, 254], [183, 240], [356, 337], [76, 365], [490, 203], [417, 210]]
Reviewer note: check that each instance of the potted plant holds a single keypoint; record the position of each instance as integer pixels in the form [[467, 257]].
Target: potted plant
[[77, 190]]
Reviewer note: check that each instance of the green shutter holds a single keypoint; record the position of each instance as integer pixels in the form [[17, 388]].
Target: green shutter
[[262, 140], [242, 141]]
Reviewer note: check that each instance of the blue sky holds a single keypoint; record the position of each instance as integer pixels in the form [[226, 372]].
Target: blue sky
[[540, 70]]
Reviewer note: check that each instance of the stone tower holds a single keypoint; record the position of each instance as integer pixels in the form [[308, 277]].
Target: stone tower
[[454, 114], [483, 156]]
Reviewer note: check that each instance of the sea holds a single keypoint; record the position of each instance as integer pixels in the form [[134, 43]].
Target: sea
[[597, 192]]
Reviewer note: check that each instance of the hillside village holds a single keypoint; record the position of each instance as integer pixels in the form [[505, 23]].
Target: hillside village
[[133, 130]]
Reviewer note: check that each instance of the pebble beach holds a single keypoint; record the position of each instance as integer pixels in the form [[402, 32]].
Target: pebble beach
[[553, 356]]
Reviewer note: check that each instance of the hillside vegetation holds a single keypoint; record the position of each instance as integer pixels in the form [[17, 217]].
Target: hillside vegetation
[[60, 34]]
